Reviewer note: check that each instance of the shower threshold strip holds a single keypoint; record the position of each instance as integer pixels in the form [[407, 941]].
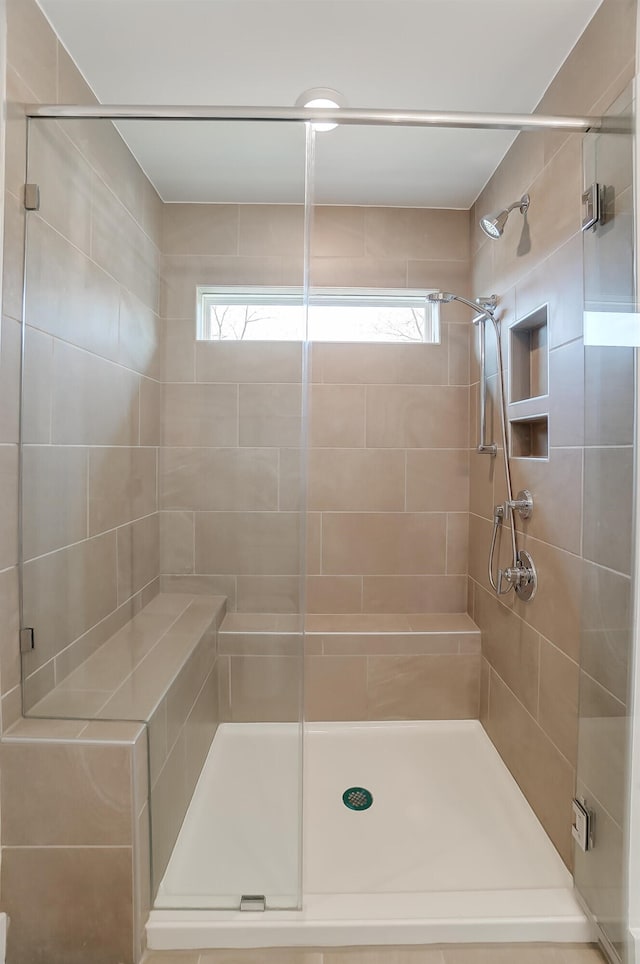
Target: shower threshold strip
[[449, 850]]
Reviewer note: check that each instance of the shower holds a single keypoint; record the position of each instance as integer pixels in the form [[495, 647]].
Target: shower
[[521, 574], [494, 225]]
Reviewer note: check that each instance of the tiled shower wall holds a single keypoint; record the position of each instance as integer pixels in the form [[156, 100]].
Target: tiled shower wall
[[389, 424], [532, 650], [92, 367]]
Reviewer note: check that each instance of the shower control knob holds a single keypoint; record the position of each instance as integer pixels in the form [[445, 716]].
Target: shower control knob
[[523, 504]]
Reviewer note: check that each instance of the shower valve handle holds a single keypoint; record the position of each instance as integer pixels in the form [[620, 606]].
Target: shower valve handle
[[523, 504]]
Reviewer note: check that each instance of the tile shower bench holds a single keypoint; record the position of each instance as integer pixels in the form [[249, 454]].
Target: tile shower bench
[[118, 743], [362, 666]]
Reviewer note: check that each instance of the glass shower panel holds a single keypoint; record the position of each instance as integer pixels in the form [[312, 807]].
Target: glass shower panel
[[608, 513], [163, 454]]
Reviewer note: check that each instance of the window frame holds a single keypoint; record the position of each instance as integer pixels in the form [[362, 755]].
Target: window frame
[[207, 295]]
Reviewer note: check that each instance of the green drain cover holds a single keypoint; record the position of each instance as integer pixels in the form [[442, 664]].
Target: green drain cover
[[357, 798]]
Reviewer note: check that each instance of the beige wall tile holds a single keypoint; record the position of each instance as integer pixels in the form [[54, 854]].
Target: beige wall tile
[[336, 417], [371, 543], [608, 493], [336, 688], [200, 414], [168, 802], [443, 276], [139, 336], [228, 361], [150, 412], [553, 217], [556, 487], [83, 310], [269, 594], [13, 247], [68, 592], [265, 688], [84, 901], [70, 794], [38, 381], [138, 555], [94, 401], [334, 594], [603, 727], [558, 710], [18, 94], [609, 387], [9, 380], [437, 480], [544, 775], [201, 229], [55, 513], [558, 283], [457, 543], [423, 687], [210, 479], [414, 594], [511, 647], [566, 394], [337, 231], [417, 417], [9, 501], [176, 542], [9, 634], [179, 350], [201, 726], [120, 246], [31, 48], [555, 611], [247, 543], [122, 486], [356, 479], [365, 272], [65, 181], [416, 234], [395, 363], [605, 631], [270, 229], [181, 275], [269, 414], [459, 340]]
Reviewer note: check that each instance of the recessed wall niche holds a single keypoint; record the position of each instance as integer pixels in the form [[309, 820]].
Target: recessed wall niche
[[529, 356], [530, 438]]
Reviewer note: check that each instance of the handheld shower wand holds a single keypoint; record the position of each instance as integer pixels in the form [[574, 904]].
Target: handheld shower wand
[[521, 575]]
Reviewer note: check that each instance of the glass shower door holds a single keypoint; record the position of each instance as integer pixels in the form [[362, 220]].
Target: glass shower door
[[609, 506], [163, 451]]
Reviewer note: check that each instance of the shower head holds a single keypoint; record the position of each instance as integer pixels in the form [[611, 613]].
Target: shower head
[[440, 297], [486, 306], [493, 225]]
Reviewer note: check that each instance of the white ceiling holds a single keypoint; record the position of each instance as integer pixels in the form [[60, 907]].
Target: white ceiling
[[473, 55]]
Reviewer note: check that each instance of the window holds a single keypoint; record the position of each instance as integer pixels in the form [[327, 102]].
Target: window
[[278, 314]]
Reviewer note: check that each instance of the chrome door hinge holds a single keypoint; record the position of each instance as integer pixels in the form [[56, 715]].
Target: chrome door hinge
[[582, 827], [27, 640], [32, 197], [253, 902]]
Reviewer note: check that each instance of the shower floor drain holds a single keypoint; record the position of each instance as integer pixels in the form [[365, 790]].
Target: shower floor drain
[[357, 798]]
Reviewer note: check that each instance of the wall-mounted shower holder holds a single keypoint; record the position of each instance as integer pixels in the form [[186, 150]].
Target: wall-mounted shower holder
[[523, 504]]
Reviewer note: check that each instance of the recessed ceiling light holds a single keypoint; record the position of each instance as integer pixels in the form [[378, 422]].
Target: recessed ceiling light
[[324, 97]]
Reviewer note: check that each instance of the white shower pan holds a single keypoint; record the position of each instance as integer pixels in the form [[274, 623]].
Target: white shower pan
[[449, 851]]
